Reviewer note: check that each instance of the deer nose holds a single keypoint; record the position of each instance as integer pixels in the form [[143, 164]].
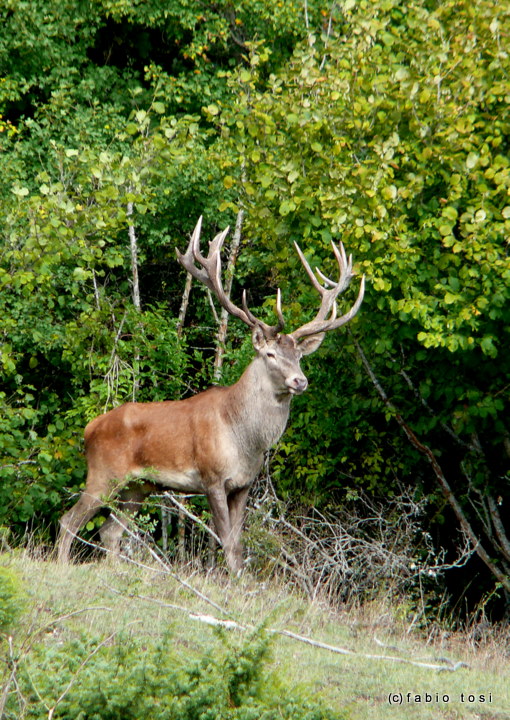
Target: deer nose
[[297, 384]]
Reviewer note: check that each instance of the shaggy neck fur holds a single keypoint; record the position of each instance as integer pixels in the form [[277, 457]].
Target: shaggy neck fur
[[258, 412]]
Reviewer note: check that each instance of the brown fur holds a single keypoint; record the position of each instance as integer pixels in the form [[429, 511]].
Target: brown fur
[[212, 443]]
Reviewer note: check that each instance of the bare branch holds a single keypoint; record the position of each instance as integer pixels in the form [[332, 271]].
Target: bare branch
[[96, 290], [164, 567], [133, 245], [182, 508], [184, 304], [229, 274], [470, 446], [16, 657], [440, 477], [499, 527], [75, 676], [446, 665]]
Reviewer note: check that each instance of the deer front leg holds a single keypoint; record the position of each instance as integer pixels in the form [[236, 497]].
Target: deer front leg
[[221, 517], [237, 505]]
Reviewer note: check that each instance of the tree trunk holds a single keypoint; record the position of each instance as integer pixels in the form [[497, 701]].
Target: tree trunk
[[135, 293], [440, 477], [229, 277]]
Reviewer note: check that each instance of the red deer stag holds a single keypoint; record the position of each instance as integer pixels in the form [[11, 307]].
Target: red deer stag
[[212, 443]]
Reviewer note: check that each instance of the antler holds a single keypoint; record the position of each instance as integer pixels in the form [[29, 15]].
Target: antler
[[208, 271], [326, 319]]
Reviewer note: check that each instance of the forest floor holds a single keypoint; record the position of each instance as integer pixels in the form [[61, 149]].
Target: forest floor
[[368, 661]]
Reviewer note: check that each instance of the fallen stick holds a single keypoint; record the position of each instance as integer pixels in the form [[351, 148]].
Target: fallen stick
[[233, 625]]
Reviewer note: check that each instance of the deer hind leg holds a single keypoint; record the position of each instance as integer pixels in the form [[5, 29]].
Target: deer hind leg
[[73, 521], [113, 528]]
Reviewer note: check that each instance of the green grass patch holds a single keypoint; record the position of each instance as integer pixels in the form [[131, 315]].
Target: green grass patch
[[116, 640]]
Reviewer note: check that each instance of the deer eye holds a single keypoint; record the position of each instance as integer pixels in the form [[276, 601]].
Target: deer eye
[[270, 355]]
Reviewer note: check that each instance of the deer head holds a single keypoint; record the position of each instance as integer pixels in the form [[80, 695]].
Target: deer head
[[280, 352]]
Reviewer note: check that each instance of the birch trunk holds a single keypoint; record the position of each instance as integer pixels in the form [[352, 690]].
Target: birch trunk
[[229, 277], [135, 293]]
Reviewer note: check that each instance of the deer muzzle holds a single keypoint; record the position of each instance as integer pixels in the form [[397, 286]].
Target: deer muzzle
[[297, 384]]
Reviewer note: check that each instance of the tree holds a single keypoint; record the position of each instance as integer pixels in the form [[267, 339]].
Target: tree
[[104, 170], [391, 133], [382, 125]]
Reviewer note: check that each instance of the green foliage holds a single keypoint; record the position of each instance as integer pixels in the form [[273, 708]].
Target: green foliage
[[97, 139], [376, 123], [12, 600], [405, 159], [81, 347], [385, 158], [119, 681], [390, 133]]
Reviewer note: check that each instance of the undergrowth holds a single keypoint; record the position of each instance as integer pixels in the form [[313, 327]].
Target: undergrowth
[[125, 641], [128, 677], [12, 599], [132, 680]]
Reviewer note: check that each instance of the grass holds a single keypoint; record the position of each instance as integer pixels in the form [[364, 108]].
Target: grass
[[102, 598]]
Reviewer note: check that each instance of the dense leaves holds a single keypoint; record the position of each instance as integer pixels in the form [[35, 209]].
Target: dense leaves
[[94, 680], [12, 600], [381, 124], [392, 134]]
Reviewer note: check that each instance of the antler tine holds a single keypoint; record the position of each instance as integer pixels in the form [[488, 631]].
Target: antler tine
[[308, 269], [192, 255], [217, 242], [345, 267], [208, 271], [212, 264], [328, 296], [271, 329], [213, 259], [247, 309], [279, 313], [325, 278], [341, 257], [194, 242], [326, 318]]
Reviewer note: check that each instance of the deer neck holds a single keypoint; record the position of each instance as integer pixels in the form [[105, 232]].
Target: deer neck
[[257, 412]]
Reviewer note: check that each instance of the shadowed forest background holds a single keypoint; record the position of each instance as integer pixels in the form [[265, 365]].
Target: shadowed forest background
[[381, 124]]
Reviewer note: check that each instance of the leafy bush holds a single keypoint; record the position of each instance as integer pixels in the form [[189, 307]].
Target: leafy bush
[[11, 599], [131, 681]]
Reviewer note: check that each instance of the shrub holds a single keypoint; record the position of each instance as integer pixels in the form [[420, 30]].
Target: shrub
[[11, 599], [132, 681]]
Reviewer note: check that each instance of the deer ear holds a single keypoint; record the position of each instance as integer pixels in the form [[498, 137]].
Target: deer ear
[[312, 343], [258, 338]]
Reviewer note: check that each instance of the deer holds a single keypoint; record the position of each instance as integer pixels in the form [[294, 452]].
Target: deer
[[212, 443]]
